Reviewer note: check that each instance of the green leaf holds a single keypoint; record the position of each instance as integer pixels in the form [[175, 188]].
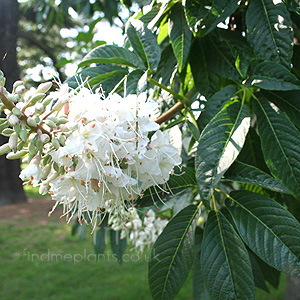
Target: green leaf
[[239, 48], [104, 75], [195, 11], [268, 229], [204, 16], [132, 80], [143, 43], [199, 289], [225, 261], [118, 245], [287, 101], [258, 275], [211, 59], [293, 5], [172, 255], [206, 81], [269, 75], [251, 153], [214, 104], [180, 180], [280, 144], [243, 173], [269, 30], [110, 54], [219, 145], [180, 35], [167, 66]]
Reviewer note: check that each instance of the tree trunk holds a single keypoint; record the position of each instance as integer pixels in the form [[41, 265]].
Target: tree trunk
[[11, 189]]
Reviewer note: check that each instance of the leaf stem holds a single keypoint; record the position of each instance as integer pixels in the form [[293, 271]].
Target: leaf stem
[[153, 81], [214, 203]]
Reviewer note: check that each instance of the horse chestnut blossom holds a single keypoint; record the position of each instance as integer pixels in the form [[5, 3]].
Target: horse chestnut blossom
[[93, 154]]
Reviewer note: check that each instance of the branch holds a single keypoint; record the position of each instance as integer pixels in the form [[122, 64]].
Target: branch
[[177, 107], [9, 105]]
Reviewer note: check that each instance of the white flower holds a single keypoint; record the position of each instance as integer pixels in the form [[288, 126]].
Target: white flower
[[32, 172], [102, 158]]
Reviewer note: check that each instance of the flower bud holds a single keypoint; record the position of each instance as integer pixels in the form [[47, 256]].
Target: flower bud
[[44, 189], [55, 142], [45, 172], [53, 119], [18, 154], [13, 141], [20, 90], [4, 125], [17, 128], [13, 120], [2, 79], [50, 123], [47, 100], [62, 120], [12, 97], [31, 122], [45, 138], [32, 148], [7, 132], [23, 135], [20, 145], [16, 112], [44, 87], [39, 108], [35, 98], [62, 140], [4, 148], [17, 84]]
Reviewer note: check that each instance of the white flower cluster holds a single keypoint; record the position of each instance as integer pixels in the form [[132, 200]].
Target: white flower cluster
[[92, 153], [142, 234]]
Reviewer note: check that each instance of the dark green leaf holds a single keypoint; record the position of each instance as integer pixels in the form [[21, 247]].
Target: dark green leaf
[[251, 153], [293, 5], [258, 275], [110, 54], [225, 261], [268, 229], [211, 59], [239, 48], [180, 35], [288, 102], [214, 104], [132, 81], [269, 75], [199, 289], [107, 75], [204, 16], [166, 67], [243, 173], [269, 30], [118, 245], [143, 43], [180, 180], [196, 11], [172, 255], [280, 144], [219, 145], [206, 81]]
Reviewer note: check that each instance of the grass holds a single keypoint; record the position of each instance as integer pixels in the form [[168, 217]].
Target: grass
[[45, 262]]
